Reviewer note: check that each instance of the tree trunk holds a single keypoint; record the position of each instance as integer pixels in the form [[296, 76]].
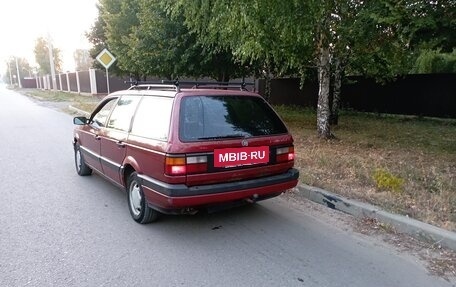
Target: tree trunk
[[223, 77], [267, 84], [323, 110], [334, 118]]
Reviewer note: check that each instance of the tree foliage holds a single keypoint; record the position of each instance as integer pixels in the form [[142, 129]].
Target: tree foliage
[[430, 24], [42, 57], [253, 30], [373, 38], [25, 70], [329, 38], [147, 41], [432, 62]]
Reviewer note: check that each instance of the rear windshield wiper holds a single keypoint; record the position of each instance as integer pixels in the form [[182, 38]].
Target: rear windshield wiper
[[234, 136]]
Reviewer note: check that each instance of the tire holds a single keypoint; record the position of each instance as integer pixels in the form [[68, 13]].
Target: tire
[[81, 167], [137, 205]]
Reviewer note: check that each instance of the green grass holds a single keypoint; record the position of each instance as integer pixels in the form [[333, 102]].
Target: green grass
[[83, 102], [421, 134], [296, 116]]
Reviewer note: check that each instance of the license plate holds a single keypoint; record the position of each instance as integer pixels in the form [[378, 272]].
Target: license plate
[[229, 157]]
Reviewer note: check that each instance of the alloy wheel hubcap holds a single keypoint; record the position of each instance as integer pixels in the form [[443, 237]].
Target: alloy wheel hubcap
[[135, 198], [78, 159]]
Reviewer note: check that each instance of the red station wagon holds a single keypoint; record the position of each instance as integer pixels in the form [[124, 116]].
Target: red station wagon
[[177, 151]]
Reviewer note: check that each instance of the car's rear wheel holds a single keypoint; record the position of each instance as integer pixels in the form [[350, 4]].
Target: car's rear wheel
[[137, 205], [81, 167]]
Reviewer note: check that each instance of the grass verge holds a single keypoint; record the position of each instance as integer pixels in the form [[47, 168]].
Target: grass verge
[[80, 101]]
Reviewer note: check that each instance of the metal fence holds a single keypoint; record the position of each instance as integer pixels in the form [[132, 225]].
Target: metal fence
[[431, 95], [422, 95]]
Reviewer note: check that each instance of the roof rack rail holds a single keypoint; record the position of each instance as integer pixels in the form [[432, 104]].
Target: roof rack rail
[[147, 85], [176, 84], [211, 85]]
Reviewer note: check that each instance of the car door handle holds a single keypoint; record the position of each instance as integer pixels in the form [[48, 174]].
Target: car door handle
[[97, 137], [120, 144]]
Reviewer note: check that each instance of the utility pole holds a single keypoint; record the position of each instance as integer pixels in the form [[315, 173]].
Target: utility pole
[[18, 75], [11, 76], [51, 62]]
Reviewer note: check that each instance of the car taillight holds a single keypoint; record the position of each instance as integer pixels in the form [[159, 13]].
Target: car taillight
[[175, 166], [196, 164], [185, 165], [285, 154]]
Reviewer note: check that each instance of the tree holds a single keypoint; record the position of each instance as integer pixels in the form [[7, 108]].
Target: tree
[[82, 59], [147, 41], [42, 57], [432, 35], [118, 21], [430, 24], [373, 38], [174, 51], [283, 37], [185, 37], [431, 61], [25, 70], [97, 36]]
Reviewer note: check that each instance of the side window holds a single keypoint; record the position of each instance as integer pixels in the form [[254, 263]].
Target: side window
[[99, 119], [152, 118], [122, 114]]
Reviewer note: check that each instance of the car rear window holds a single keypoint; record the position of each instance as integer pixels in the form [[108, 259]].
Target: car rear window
[[219, 117]]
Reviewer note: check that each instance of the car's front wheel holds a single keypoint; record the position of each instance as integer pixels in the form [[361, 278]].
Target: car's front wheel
[[81, 167], [139, 209]]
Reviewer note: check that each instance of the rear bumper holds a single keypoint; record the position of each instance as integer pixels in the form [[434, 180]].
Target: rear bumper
[[178, 196]]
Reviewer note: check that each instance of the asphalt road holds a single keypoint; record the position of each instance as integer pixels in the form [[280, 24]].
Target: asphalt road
[[59, 229]]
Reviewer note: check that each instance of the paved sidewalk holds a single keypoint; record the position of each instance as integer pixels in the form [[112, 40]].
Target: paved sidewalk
[[415, 228]]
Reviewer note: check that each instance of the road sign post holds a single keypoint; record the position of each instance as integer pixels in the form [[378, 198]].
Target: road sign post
[[106, 59]]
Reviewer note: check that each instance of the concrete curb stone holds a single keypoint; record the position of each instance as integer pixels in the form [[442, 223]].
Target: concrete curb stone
[[415, 228], [79, 111]]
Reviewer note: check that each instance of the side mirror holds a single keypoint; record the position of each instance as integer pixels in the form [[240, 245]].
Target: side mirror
[[80, 121]]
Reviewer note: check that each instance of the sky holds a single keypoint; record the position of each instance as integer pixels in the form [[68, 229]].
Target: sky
[[23, 21]]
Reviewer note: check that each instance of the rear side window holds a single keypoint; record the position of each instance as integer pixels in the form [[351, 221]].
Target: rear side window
[[122, 114], [217, 117], [152, 118]]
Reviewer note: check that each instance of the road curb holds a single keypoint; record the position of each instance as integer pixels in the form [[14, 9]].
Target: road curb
[[79, 111], [415, 228]]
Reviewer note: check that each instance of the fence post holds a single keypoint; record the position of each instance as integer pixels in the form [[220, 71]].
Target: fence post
[[68, 82], [77, 82]]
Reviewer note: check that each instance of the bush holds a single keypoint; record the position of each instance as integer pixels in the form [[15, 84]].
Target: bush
[[431, 62], [387, 181]]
